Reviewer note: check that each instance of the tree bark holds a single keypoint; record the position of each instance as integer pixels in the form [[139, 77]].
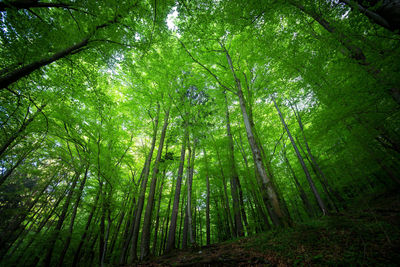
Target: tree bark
[[234, 175], [154, 249], [53, 238], [85, 233], [189, 193], [303, 195], [144, 177], [71, 226], [175, 207], [317, 196], [231, 225], [208, 232], [145, 242]]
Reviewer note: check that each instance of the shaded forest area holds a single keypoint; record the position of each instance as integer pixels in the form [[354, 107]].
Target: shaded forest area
[[160, 132]]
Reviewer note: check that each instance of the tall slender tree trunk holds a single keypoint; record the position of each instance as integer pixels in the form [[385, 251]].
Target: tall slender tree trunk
[[303, 195], [154, 248], [208, 232], [165, 229], [10, 236], [226, 199], [175, 207], [318, 171], [185, 229], [144, 177], [85, 233], [71, 226], [317, 196], [128, 230], [191, 159], [234, 175], [145, 242], [53, 238]]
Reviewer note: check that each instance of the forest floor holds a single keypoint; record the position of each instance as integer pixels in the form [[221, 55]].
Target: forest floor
[[367, 233]]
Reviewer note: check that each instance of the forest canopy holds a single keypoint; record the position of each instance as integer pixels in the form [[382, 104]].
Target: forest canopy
[[130, 129]]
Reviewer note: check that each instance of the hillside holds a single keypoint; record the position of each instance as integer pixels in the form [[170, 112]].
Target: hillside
[[366, 234]]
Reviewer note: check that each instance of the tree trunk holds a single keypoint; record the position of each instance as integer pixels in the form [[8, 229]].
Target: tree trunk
[[154, 249], [144, 176], [234, 175], [226, 199], [272, 195], [71, 226], [85, 233], [317, 196], [165, 229], [303, 195], [189, 193], [53, 238], [175, 207], [145, 242], [208, 235]]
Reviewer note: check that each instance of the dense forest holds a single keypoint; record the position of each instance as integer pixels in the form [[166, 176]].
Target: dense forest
[[131, 129]]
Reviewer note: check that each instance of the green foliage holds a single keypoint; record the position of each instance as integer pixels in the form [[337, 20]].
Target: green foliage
[[333, 73]]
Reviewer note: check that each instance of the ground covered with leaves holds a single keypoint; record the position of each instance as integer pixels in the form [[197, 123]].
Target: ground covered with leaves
[[367, 233]]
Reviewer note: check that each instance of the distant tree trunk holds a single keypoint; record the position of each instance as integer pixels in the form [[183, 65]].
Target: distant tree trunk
[[154, 248], [185, 229], [165, 229], [200, 234], [145, 242], [54, 236], [71, 226], [208, 235], [243, 208], [317, 196], [325, 188], [42, 224], [103, 211], [116, 234], [175, 207], [189, 193], [85, 233], [324, 180], [226, 199], [10, 236], [182, 215], [234, 175], [303, 195], [144, 176], [128, 230]]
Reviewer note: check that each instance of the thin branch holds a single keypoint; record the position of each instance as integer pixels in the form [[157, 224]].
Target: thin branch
[[207, 69]]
